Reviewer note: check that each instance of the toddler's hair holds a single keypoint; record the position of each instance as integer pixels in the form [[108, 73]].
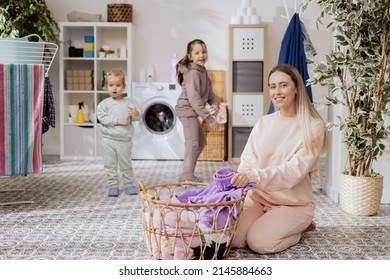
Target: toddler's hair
[[116, 73]]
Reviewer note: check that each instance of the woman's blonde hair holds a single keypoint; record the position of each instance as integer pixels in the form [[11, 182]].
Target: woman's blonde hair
[[304, 109]]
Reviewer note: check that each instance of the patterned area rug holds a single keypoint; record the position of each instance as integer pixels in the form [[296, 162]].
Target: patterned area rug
[[72, 218]]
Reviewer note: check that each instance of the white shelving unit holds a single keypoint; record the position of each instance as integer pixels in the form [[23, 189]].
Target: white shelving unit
[[83, 141], [247, 81]]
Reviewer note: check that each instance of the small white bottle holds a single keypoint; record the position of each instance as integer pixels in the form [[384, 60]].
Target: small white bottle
[[150, 74], [122, 52], [173, 68], [142, 75]]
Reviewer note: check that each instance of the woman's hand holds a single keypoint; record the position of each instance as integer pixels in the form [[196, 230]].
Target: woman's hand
[[239, 180]]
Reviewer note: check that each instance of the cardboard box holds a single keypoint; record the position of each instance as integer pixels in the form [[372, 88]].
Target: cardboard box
[[69, 86], [88, 73]]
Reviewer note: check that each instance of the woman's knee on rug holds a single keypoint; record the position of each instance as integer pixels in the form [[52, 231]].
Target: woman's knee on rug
[[251, 213], [268, 243]]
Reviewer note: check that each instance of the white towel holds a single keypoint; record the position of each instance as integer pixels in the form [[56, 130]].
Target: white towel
[[221, 117], [80, 16]]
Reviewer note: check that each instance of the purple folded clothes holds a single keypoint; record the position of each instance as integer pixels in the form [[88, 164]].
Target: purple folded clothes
[[220, 190]]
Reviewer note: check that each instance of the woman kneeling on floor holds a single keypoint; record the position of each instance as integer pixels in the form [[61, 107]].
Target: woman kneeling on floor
[[281, 153]]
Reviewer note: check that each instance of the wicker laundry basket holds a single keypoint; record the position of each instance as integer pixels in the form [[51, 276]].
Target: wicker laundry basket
[[175, 230]]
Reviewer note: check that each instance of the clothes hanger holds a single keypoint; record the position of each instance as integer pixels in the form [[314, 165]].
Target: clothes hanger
[[287, 16]]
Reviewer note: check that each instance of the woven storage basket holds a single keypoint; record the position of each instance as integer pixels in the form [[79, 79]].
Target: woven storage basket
[[360, 196], [119, 12], [215, 148], [174, 230]]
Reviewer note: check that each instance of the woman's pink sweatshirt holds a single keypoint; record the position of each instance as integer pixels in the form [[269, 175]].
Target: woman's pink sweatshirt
[[274, 159]]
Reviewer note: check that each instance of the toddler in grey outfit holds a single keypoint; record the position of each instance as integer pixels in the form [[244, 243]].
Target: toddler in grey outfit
[[116, 114]]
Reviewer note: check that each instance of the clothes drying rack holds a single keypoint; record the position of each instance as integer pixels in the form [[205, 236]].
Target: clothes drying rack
[[27, 50]]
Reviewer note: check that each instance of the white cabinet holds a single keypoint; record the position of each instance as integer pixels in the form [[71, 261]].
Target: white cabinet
[[81, 80], [247, 84]]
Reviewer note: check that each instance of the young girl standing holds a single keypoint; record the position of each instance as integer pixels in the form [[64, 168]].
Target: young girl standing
[[116, 114], [191, 104]]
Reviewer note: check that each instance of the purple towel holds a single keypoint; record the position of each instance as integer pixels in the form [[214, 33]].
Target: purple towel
[[219, 190]]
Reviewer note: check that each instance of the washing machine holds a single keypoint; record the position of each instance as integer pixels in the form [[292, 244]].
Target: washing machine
[[159, 133]]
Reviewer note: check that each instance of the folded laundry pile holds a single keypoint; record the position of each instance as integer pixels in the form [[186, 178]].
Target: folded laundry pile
[[219, 190]]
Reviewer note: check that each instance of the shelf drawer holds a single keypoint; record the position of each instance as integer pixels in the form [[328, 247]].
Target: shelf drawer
[[247, 109], [248, 44], [248, 76], [240, 137]]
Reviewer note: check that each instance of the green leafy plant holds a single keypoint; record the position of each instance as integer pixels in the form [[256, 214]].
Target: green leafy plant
[[24, 17], [357, 71]]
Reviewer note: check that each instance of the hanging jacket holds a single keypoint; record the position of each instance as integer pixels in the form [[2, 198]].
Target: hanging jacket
[[48, 110]]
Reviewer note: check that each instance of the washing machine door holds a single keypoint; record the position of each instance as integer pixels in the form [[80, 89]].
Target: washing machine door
[[159, 118]]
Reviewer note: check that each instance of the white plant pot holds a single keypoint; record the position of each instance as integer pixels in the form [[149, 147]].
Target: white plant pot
[[360, 196]]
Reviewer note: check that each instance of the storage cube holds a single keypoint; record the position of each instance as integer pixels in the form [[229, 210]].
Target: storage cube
[[88, 46], [240, 137], [247, 109], [88, 54], [248, 76], [89, 39], [248, 44]]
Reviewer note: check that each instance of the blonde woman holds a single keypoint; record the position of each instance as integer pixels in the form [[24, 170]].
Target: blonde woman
[[280, 156]]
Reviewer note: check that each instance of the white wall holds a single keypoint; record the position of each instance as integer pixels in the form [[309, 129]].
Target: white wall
[[382, 166], [164, 27]]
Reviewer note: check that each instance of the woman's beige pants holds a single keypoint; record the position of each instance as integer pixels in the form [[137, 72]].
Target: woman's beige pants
[[269, 230]]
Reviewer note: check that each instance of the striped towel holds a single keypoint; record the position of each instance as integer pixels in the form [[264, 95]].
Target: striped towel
[[21, 92]]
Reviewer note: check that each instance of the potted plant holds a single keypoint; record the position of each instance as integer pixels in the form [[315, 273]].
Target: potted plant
[[24, 17], [102, 53], [357, 71]]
